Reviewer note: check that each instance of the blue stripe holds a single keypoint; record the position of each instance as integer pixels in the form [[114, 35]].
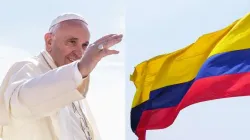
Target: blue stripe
[[226, 63]]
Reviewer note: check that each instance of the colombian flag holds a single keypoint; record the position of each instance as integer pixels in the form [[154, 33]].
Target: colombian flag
[[216, 66]]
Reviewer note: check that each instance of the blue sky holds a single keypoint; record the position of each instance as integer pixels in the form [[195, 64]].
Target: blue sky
[[23, 25], [161, 26]]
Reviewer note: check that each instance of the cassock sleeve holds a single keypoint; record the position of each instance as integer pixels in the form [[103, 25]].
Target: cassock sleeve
[[83, 83], [31, 95]]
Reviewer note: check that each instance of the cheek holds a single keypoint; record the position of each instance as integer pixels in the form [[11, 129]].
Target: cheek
[[62, 49], [60, 52], [67, 51]]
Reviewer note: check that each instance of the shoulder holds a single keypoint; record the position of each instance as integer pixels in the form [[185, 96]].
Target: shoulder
[[22, 68], [28, 64]]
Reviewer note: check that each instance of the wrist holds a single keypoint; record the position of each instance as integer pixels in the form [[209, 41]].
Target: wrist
[[82, 70]]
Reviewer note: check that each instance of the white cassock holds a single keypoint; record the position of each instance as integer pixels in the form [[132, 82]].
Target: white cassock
[[39, 101]]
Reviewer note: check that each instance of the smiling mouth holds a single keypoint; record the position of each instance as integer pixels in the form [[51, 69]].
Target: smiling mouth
[[71, 60]]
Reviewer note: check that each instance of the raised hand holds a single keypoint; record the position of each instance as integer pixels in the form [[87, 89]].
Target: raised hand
[[96, 51]]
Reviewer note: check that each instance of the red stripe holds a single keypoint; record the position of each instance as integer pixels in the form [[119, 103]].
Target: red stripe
[[217, 87], [153, 119], [204, 89]]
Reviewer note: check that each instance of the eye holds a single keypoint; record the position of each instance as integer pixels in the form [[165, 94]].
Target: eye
[[73, 42], [85, 45]]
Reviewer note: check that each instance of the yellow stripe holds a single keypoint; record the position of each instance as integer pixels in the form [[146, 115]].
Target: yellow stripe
[[143, 78], [183, 65], [237, 39]]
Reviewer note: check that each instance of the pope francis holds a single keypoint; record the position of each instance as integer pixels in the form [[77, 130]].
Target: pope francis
[[43, 98]]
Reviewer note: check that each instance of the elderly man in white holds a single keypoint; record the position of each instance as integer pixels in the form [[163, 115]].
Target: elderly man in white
[[41, 97]]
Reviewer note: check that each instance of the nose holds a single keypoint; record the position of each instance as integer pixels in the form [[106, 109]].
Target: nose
[[78, 53]]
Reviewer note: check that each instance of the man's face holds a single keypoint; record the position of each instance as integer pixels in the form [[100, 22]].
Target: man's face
[[67, 41]]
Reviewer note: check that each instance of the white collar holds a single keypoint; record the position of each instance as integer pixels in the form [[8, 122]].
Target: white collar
[[48, 59]]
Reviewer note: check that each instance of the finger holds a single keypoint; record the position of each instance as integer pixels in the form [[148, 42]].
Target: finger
[[99, 41], [112, 41], [107, 52], [112, 37], [106, 39]]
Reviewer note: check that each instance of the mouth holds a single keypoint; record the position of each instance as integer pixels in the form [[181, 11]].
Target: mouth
[[71, 59]]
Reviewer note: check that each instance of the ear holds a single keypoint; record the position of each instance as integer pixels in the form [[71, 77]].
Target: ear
[[48, 41]]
